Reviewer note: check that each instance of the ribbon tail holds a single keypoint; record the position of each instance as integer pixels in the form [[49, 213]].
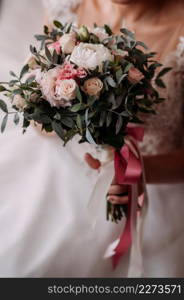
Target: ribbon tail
[[126, 237]]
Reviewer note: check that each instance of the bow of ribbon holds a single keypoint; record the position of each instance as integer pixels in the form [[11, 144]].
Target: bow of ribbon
[[128, 171]]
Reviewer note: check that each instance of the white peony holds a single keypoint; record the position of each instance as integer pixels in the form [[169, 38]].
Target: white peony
[[68, 42], [89, 56], [19, 102]]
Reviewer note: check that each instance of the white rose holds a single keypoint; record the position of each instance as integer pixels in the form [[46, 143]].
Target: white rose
[[93, 86], [19, 102], [67, 42], [100, 33], [66, 89], [89, 56]]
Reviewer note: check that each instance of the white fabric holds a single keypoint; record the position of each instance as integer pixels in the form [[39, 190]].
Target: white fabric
[[45, 228]]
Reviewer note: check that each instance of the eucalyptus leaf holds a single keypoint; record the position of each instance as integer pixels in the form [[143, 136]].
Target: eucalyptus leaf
[[89, 137], [76, 107], [87, 121], [41, 37], [16, 118], [3, 106], [102, 118], [108, 29], [139, 43], [109, 119], [119, 74], [24, 70], [30, 79], [58, 24], [128, 67], [57, 127], [111, 81], [79, 122], [119, 124], [163, 72], [12, 74], [128, 33], [48, 54], [159, 82], [2, 88], [4, 123], [122, 78], [67, 122], [46, 29], [33, 50], [79, 95], [55, 57], [17, 92], [125, 114], [13, 82]]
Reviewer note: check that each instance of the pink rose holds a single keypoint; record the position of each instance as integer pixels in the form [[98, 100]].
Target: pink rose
[[134, 75], [55, 46], [67, 71]]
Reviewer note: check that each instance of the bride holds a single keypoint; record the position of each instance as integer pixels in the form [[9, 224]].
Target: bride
[[45, 227], [160, 24]]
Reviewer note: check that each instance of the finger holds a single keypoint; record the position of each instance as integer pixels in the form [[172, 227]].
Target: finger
[[117, 199], [92, 162], [117, 189]]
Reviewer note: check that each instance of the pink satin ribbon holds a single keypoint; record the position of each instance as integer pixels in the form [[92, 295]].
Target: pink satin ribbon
[[128, 170]]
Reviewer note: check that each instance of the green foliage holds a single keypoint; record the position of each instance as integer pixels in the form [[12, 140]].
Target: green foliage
[[4, 123], [3, 106]]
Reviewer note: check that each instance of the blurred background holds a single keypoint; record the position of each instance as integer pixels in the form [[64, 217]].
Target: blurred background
[[19, 21]]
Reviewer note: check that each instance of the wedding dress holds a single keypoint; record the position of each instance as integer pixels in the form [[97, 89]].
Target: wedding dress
[[45, 225]]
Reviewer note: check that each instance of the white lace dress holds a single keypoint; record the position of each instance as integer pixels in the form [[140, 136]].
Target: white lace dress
[[45, 228]]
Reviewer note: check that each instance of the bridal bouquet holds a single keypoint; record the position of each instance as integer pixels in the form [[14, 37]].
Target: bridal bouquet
[[84, 82]]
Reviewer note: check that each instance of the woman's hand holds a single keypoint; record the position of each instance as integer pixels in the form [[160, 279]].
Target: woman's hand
[[117, 194]]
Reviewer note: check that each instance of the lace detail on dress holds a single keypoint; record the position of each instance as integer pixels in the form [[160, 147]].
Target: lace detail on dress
[[164, 131], [62, 10]]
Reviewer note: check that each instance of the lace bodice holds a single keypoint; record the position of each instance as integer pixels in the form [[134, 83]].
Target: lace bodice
[[164, 131]]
